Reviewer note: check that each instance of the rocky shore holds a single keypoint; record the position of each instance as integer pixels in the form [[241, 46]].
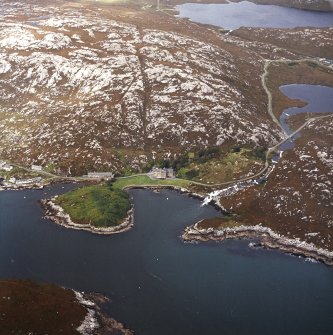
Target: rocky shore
[[29, 307], [56, 213], [268, 239], [96, 322]]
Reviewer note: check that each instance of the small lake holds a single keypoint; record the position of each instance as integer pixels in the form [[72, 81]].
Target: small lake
[[158, 284], [318, 99], [247, 14]]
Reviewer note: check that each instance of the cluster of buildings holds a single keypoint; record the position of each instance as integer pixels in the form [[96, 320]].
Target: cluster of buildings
[[13, 182], [155, 173], [28, 181], [36, 167], [159, 173]]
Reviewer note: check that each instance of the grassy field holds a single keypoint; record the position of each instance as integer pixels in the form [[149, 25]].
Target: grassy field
[[220, 167], [122, 183], [96, 205]]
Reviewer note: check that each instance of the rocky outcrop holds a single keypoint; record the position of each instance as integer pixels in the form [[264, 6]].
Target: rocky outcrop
[[268, 238]]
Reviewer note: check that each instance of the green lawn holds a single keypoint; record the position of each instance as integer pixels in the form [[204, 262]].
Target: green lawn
[[122, 183], [96, 205]]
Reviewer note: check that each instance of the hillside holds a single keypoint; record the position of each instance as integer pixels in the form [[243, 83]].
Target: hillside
[[103, 88], [88, 86], [296, 201]]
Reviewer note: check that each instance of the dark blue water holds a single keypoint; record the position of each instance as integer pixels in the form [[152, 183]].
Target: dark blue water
[[158, 284], [247, 14]]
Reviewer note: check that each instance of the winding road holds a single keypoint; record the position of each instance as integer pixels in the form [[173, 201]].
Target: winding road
[[286, 137], [270, 150]]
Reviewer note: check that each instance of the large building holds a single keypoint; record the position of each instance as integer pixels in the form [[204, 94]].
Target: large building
[[159, 173], [36, 167], [5, 166]]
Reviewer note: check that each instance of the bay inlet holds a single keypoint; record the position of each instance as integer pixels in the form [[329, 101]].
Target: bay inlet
[[156, 283]]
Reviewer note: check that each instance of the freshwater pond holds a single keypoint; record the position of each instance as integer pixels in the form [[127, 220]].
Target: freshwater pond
[[247, 14], [157, 283], [318, 99]]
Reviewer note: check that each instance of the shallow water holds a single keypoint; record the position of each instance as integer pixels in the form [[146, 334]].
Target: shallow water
[[247, 14], [158, 284]]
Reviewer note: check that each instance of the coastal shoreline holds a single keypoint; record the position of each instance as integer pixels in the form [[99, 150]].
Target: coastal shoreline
[[95, 321], [57, 214], [47, 308], [23, 187], [43, 184], [181, 190], [267, 237]]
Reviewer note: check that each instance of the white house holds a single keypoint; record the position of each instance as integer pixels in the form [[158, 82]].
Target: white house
[[6, 167], [36, 167], [36, 180], [159, 173]]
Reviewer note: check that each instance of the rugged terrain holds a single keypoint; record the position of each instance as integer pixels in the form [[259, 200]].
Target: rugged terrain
[[95, 88], [310, 42], [100, 87], [296, 201], [33, 308], [85, 86]]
